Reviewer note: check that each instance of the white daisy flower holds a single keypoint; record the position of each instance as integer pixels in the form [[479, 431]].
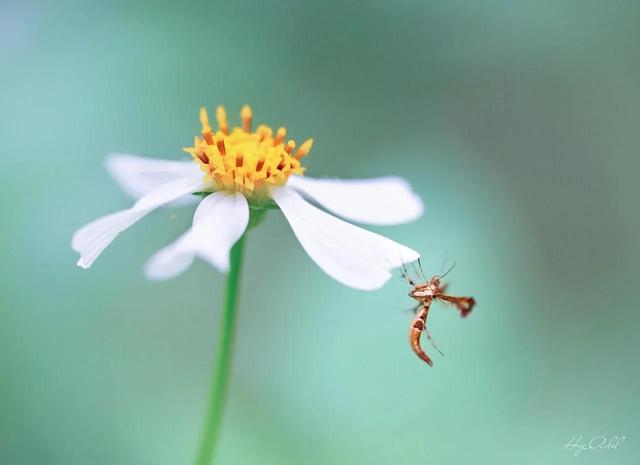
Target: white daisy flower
[[239, 171]]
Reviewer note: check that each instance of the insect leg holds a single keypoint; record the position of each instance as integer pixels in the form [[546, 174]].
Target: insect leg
[[405, 274], [413, 309], [433, 343], [421, 270]]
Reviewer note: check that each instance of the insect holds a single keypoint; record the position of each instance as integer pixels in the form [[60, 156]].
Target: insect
[[427, 293]]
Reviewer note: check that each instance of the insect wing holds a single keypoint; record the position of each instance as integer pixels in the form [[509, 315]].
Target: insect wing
[[463, 304]]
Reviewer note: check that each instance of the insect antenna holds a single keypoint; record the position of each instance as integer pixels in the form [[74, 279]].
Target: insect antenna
[[444, 261], [449, 270]]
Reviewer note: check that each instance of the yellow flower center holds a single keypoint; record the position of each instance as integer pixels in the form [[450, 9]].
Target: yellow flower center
[[244, 160]]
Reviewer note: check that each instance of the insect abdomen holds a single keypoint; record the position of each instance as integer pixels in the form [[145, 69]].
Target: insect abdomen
[[415, 331]]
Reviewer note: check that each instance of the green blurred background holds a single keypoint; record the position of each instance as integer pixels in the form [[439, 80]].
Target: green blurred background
[[516, 122]]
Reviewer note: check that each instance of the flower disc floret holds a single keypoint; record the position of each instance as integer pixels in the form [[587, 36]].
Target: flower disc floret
[[243, 160]]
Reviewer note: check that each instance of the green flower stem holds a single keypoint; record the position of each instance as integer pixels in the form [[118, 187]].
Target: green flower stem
[[224, 352]]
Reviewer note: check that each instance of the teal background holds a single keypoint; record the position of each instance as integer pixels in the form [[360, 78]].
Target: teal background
[[516, 122]]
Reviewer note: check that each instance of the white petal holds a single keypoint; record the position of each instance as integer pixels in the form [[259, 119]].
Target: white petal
[[383, 201], [355, 257], [93, 238], [219, 221], [138, 176], [172, 260]]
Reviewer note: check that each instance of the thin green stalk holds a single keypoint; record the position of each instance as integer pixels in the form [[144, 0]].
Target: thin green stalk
[[224, 352]]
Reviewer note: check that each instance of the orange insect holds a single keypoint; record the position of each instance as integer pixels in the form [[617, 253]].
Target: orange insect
[[426, 294]]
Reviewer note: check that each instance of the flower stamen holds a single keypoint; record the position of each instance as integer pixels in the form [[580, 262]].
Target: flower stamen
[[221, 116], [290, 146], [221, 147], [246, 115], [243, 160], [304, 149], [282, 132], [206, 128]]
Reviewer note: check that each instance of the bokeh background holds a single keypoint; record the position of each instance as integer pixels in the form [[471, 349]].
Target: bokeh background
[[517, 123]]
